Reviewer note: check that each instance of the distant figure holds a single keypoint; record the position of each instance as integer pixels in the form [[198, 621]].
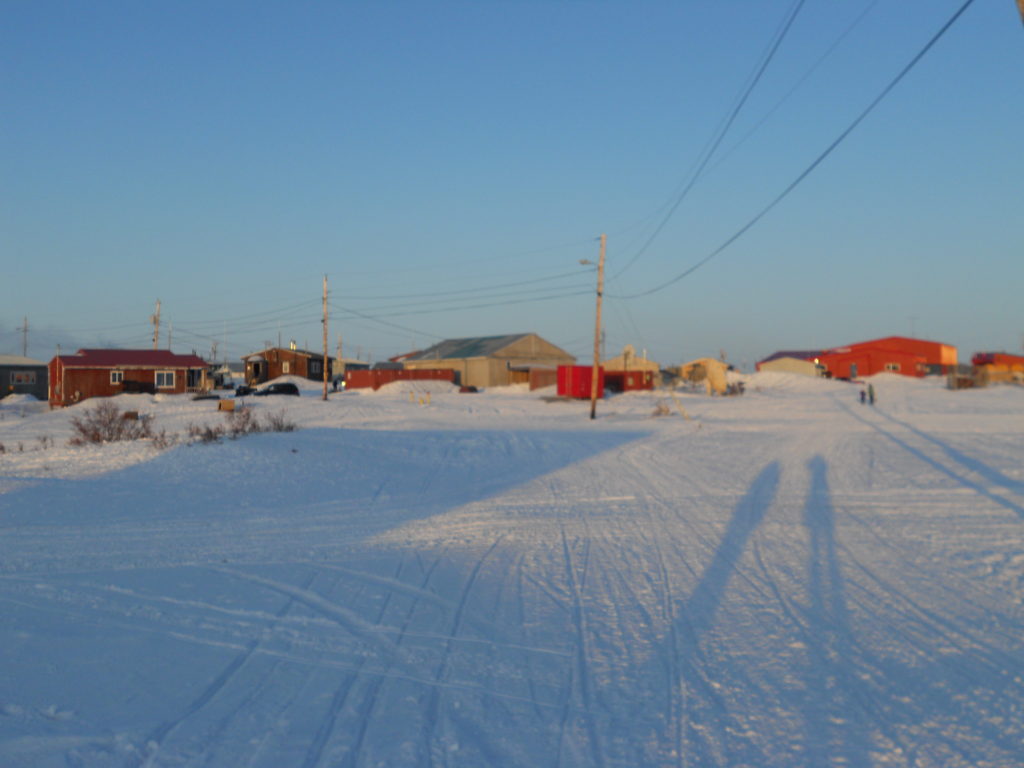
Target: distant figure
[[871, 394], [863, 397]]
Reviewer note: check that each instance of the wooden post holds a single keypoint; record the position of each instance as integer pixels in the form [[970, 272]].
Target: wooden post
[[325, 337], [597, 332], [155, 320]]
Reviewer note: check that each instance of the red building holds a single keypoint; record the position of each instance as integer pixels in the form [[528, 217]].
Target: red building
[[893, 354], [270, 363], [628, 381], [377, 377], [106, 372]]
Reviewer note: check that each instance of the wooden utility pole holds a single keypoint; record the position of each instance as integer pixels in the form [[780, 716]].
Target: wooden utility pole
[[1020, 7], [155, 320], [24, 336], [325, 337], [597, 332]]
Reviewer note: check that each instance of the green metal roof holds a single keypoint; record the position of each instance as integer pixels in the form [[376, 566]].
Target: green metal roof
[[476, 346]]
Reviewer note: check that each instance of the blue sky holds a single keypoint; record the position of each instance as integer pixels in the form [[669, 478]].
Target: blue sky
[[447, 165]]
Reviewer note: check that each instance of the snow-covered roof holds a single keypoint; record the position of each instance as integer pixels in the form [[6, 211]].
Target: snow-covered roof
[[19, 360]]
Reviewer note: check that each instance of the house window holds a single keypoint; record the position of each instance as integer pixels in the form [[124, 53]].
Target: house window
[[117, 377], [892, 366], [23, 377], [314, 366], [165, 379], [286, 367]]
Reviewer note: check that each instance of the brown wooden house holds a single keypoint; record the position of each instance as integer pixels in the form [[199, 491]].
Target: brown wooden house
[[272, 362], [106, 372]]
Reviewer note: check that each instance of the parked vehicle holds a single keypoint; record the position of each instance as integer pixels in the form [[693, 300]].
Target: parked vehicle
[[241, 390], [278, 388]]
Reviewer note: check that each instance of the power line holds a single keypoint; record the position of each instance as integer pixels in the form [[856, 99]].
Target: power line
[[807, 171], [719, 134]]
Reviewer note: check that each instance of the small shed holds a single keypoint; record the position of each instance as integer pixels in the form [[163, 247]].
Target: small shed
[[22, 376]]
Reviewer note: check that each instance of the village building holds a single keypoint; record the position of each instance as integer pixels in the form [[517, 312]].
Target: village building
[[491, 361], [22, 376], [630, 371], [793, 361], [892, 354], [273, 362], [106, 372], [997, 367], [707, 370]]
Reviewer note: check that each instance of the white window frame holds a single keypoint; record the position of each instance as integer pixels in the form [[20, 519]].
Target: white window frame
[[23, 378], [117, 377], [894, 367], [286, 367], [314, 367], [164, 374]]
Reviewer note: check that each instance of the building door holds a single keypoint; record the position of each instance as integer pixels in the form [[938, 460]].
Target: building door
[[853, 370]]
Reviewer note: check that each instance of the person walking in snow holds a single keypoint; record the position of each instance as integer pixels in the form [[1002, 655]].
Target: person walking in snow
[[871, 394], [863, 396]]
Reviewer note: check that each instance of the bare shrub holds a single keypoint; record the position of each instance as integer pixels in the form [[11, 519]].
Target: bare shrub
[[242, 422], [162, 441], [205, 433], [278, 422], [106, 423], [661, 409]]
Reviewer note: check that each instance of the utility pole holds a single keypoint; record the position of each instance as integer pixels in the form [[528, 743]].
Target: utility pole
[[1020, 7], [325, 337], [170, 333], [597, 331], [24, 336], [155, 320]]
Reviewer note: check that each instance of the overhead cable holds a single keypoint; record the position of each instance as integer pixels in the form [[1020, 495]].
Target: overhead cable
[[719, 135], [810, 168]]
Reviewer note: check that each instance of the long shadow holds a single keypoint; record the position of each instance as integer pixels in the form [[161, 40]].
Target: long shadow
[[707, 596], [964, 481], [991, 474], [696, 619], [380, 478], [834, 724]]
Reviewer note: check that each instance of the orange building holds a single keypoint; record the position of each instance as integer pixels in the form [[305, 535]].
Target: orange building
[[893, 354]]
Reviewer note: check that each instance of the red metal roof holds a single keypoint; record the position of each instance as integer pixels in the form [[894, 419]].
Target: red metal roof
[[130, 358]]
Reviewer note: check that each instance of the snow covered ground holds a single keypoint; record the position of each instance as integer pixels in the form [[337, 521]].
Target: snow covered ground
[[787, 578]]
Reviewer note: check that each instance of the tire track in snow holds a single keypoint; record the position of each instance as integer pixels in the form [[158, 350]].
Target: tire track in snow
[[581, 663], [434, 705], [316, 748], [966, 482], [154, 741], [372, 695]]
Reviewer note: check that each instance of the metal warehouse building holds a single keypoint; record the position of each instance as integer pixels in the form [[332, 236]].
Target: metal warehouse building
[[491, 361]]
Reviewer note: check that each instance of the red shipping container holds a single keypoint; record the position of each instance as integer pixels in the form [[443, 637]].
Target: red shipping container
[[575, 381]]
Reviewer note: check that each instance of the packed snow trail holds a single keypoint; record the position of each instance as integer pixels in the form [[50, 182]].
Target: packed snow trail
[[791, 579]]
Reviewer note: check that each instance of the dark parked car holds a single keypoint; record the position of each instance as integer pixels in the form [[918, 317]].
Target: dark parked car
[[241, 390], [280, 388]]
